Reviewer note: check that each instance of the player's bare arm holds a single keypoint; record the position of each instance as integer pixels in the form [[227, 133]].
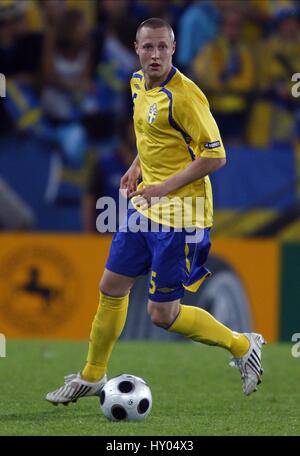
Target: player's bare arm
[[199, 168]]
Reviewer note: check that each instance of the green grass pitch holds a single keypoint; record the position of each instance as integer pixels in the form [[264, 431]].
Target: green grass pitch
[[194, 391]]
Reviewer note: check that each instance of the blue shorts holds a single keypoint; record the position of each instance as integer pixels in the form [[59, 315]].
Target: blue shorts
[[175, 258]]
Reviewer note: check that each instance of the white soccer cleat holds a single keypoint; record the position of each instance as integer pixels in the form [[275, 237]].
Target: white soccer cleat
[[250, 364], [75, 388]]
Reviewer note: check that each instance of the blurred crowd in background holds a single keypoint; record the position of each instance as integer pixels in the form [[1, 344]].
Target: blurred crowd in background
[[68, 64]]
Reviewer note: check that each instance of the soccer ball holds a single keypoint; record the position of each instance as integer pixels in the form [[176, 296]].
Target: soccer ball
[[126, 397]]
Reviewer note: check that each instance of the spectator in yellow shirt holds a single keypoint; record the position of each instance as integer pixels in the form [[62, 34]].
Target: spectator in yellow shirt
[[225, 70]]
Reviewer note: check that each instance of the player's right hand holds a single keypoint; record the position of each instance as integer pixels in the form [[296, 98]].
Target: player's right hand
[[129, 180]]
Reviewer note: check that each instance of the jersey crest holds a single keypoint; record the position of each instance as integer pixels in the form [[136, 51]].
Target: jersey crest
[[152, 113]]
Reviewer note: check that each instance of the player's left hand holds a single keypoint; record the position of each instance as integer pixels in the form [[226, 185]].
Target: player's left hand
[[148, 196]]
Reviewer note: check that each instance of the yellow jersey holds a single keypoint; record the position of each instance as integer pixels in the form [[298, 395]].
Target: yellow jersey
[[174, 126]]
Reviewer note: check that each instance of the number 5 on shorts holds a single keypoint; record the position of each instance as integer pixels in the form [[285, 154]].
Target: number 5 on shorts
[[152, 283]]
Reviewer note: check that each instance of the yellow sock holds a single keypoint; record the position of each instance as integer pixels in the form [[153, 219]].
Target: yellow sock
[[200, 326], [107, 326]]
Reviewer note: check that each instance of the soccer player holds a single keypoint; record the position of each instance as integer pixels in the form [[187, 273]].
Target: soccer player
[[179, 145]]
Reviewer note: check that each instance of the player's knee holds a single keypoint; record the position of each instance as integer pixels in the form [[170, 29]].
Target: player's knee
[[113, 290], [115, 285], [161, 314], [158, 319]]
